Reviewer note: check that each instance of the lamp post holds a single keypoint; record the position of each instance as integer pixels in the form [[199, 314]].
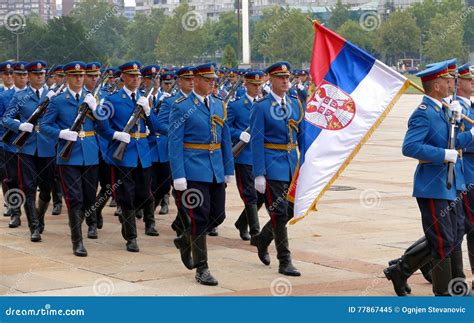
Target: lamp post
[[18, 29]]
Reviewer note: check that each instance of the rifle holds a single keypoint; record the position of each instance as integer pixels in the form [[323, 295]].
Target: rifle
[[452, 136], [114, 86], [233, 90], [8, 135], [80, 118], [36, 115], [238, 147], [122, 146]]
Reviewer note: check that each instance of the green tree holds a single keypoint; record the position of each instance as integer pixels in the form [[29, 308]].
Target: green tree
[[339, 15], [225, 31], [444, 43], [184, 38], [284, 34], [398, 37], [353, 32], [141, 35], [103, 26], [229, 58]]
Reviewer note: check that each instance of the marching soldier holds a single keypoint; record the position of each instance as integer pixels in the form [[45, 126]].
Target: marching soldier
[[20, 79], [185, 83], [239, 123], [36, 156], [79, 171], [133, 173], [427, 135], [464, 92], [6, 73], [275, 128], [201, 164]]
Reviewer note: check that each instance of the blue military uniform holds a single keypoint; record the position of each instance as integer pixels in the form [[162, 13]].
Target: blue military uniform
[[275, 130], [200, 151], [426, 140], [79, 172], [36, 156], [239, 121], [11, 182], [133, 172]]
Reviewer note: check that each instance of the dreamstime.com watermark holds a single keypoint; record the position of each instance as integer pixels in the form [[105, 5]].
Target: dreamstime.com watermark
[[45, 311], [114, 11]]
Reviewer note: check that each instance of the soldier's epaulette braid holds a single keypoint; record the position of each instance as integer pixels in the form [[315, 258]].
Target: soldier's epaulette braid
[[215, 96], [181, 99]]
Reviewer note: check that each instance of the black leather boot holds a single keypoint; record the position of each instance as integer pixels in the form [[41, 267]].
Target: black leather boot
[[91, 221], [6, 210], [410, 262], [441, 276], [118, 211], [252, 219], [75, 224], [139, 214], [282, 245], [33, 222], [15, 220], [41, 211], [101, 202], [149, 219], [470, 251], [181, 223], [57, 197], [262, 241], [199, 251], [165, 204], [425, 269], [457, 270], [129, 230], [213, 232], [242, 225], [183, 244]]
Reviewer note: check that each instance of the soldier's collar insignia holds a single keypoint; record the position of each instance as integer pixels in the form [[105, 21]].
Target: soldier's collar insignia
[[196, 101], [422, 107], [124, 96], [246, 101]]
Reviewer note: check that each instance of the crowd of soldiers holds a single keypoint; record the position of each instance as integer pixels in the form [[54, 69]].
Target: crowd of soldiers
[[440, 137], [142, 133]]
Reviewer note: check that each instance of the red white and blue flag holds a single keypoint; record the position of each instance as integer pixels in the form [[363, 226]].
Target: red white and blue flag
[[353, 94]]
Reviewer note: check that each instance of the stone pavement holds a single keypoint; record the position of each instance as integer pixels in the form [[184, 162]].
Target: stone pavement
[[367, 219]]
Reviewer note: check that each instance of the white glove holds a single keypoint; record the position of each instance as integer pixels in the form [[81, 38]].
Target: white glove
[[164, 96], [260, 184], [300, 87], [90, 101], [50, 94], [26, 127], [228, 179], [180, 184], [245, 137], [121, 136], [456, 108], [69, 135], [145, 104], [451, 155]]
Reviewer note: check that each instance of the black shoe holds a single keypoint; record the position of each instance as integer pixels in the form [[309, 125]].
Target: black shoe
[[164, 204], [183, 244], [288, 270], [398, 280], [57, 209], [261, 249], [113, 203], [118, 211], [35, 235], [243, 232], [7, 211], [92, 232], [139, 214], [204, 277], [15, 221], [78, 249], [151, 231], [100, 221], [132, 246], [213, 232]]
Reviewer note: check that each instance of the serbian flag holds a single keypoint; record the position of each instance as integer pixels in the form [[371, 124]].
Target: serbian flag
[[353, 93]]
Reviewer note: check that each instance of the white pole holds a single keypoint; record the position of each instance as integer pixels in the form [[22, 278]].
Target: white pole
[[245, 33]]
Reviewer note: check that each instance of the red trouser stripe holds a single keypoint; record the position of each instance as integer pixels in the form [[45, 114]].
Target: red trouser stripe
[[467, 209], [240, 185], [438, 233], [270, 203]]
